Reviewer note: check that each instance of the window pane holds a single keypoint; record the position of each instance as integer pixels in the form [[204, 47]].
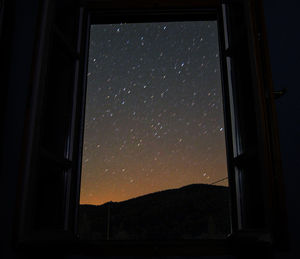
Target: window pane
[[154, 157]]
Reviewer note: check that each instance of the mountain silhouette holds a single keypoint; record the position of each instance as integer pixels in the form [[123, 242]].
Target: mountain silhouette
[[191, 212]]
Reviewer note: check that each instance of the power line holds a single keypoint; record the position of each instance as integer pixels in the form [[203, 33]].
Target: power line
[[219, 181]]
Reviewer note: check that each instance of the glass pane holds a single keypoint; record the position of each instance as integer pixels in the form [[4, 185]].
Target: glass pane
[[154, 160]]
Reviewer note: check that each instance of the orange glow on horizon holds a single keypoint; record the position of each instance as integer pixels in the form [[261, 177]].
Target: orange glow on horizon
[[124, 190]]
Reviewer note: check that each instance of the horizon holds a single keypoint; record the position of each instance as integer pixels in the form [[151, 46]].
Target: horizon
[[153, 193]]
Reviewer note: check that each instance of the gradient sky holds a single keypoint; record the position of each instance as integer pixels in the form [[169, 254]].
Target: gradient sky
[[154, 115]]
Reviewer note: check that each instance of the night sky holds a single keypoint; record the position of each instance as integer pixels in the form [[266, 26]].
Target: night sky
[[154, 114]]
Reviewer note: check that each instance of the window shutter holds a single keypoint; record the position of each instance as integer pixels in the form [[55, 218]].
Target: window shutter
[[49, 175], [247, 166], [253, 174]]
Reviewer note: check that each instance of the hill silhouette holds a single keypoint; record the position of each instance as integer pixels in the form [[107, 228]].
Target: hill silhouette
[[190, 212]]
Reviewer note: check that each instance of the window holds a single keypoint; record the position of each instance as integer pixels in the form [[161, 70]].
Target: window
[[154, 133], [53, 149]]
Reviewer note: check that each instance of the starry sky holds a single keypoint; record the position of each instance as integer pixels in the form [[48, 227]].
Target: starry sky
[[154, 114]]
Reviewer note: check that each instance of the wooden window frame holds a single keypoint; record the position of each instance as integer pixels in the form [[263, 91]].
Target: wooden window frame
[[260, 234]]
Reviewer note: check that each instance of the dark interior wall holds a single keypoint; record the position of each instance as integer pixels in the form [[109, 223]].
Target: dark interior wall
[[282, 22], [284, 41], [21, 50]]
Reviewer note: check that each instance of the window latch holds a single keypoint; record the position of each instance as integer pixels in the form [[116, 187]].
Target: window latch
[[280, 93]]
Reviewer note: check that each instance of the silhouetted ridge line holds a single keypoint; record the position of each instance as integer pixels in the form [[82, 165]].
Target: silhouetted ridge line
[[195, 185], [188, 212]]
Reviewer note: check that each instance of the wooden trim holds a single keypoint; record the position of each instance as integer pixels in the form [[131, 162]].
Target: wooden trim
[[132, 248], [82, 48], [223, 34], [148, 4], [208, 247]]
